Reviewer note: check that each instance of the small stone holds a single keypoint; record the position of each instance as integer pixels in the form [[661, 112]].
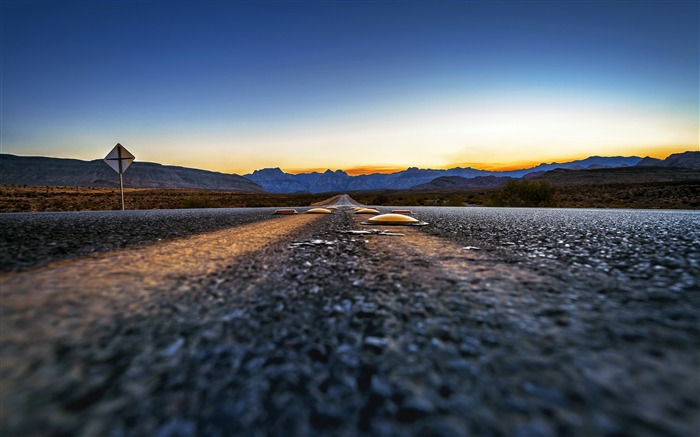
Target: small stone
[[376, 343], [233, 315], [380, 387], [436, 342], [177, 427], [367, 310], [174, 347], [414, 408]]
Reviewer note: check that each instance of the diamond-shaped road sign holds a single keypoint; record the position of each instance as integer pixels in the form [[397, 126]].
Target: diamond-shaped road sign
[[119, 158]]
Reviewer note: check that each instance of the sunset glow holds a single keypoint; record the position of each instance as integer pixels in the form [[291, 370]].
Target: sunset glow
[[494, 86]]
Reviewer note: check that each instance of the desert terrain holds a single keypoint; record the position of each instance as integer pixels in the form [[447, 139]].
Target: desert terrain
[[649, 195]]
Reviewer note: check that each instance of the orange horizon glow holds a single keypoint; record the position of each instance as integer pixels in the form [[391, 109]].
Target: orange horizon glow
[[300, 102], [352, 171], [656, 152], [369, 169], [496, 136], [249, 165], [499, 133]]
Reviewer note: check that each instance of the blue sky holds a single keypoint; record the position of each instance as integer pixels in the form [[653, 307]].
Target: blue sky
[[235, 86]]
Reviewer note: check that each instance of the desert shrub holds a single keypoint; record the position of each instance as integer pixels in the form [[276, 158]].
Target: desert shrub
[[455, 201], [381, 199], [524, 193], [199, 202]]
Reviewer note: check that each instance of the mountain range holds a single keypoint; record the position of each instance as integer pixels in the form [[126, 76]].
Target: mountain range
[[677, 160], [28, 170], [677, 167], [274, 180], [39, 170]]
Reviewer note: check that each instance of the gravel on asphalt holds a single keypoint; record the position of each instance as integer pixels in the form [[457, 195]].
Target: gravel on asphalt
[[327, 332], [31, 239]]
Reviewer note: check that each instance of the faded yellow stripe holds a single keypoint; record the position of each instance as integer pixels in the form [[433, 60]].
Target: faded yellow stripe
[[68, 301], [125, 274]]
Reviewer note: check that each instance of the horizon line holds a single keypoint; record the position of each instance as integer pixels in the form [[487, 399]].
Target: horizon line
[[482, 166], [494, 167]]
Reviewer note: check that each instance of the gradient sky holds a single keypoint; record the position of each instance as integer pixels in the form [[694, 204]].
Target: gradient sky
[[357, 85]]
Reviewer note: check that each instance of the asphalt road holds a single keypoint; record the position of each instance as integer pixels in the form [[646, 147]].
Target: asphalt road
[[30, 239], [489, 322]]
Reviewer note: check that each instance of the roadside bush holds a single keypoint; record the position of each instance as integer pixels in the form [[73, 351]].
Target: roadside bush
[[454, 201], [524, 193], [199, 202], [381, 199]]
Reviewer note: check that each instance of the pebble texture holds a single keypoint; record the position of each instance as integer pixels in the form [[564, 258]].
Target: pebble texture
[[30, 239], [551, 323]]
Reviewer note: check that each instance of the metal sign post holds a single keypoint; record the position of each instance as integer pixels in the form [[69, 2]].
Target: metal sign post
[[120, 159]]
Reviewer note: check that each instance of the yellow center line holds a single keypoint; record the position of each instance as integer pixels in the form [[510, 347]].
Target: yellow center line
[[70, 300], [128, 273]]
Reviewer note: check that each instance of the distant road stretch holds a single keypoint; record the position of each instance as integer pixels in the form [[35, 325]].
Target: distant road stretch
[[486, 322]]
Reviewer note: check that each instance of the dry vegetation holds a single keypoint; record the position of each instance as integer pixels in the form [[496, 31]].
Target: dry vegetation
[[652, 195], [24, 198]]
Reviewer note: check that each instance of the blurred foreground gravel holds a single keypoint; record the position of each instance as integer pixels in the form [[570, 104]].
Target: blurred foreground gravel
[[30, 239], [488, 322]]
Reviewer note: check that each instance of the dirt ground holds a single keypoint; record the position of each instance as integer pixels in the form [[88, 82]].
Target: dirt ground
[[23, 198]]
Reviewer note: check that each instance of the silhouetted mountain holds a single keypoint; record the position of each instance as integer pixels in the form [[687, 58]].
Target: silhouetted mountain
[[688, 159], [535, 174], [590, 162], [620, 175], [648, 161], [275, 180], [37, 170], [683, 160], [458, 182], [21, 170]]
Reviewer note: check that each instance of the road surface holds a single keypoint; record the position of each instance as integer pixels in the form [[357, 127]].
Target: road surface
[[489, 322]]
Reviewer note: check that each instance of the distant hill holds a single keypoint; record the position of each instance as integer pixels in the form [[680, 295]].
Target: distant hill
[[35, 170], [590, 162], [24, 170], [648, 161], [274, 180], [624, 175], [458, 182], [688, 159], [677, 167], [572, 177], [683, 160]]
